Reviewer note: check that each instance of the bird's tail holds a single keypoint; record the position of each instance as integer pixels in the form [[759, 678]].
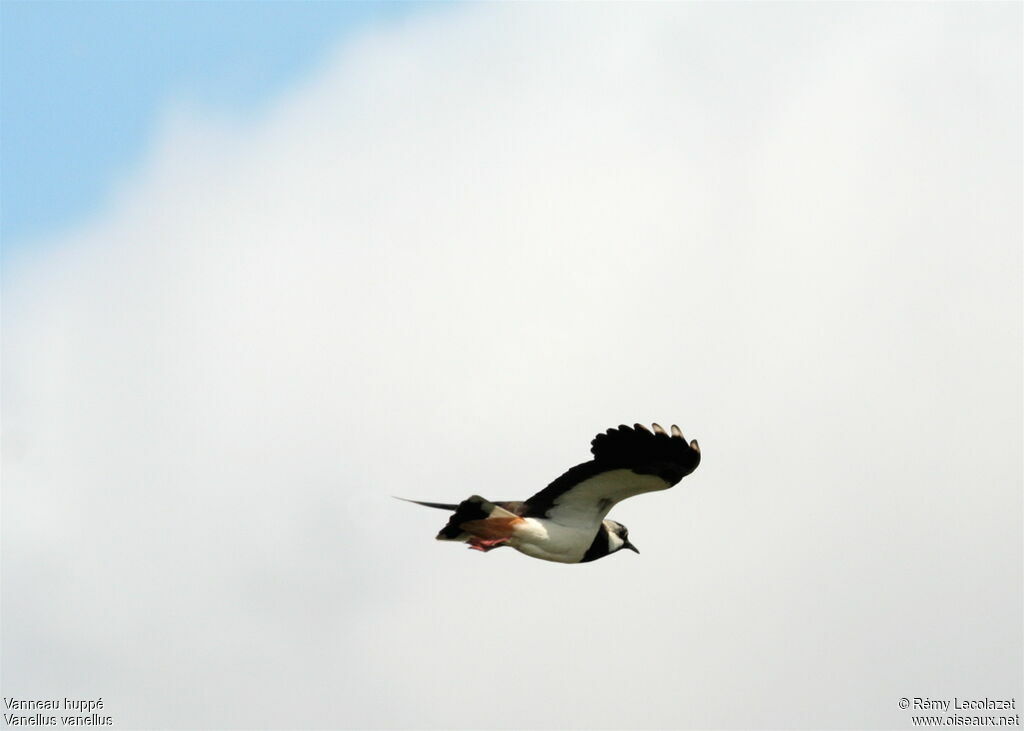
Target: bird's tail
[[478, 517], [439, 506]]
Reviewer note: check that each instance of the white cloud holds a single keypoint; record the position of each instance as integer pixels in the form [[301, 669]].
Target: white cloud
[[436, 269]]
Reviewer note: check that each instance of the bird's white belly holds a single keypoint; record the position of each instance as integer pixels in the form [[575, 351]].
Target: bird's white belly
[[544, 539]]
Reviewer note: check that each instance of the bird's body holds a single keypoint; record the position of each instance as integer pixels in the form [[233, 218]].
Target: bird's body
[[550, 541], [565, 522]]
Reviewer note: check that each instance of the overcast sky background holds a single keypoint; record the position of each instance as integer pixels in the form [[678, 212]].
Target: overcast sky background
[[449, 250]]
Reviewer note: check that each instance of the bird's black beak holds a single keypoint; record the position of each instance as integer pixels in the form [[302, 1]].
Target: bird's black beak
[[631, 547]]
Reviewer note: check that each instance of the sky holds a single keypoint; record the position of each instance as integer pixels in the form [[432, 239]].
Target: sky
[[84, 85], [430, 252]]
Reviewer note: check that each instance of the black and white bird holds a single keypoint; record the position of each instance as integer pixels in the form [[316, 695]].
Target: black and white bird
[[565, 522]]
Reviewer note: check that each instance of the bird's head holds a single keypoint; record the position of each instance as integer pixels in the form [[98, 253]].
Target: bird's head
[[618, 537]]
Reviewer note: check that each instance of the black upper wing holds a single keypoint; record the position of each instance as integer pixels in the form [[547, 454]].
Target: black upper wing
[[627, 461]]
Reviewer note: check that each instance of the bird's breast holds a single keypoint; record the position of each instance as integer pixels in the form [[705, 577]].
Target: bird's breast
[[550, 541]]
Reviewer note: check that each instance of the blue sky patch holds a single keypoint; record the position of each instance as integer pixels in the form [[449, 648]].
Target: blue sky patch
[[84, 82]]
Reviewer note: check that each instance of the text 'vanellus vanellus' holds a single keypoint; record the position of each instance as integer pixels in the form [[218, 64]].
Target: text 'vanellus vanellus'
[[565, 521]]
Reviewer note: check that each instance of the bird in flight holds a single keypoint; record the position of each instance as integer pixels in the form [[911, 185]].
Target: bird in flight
[[565, 522]]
